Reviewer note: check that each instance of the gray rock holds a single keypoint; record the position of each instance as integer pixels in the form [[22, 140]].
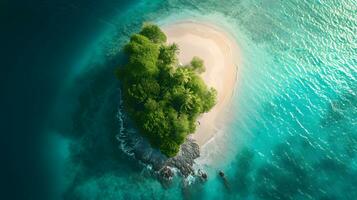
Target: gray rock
[[185, 159], [203, 175], [138, 147]]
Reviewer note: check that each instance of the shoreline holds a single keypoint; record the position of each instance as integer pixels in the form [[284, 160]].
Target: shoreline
[[221, 56]]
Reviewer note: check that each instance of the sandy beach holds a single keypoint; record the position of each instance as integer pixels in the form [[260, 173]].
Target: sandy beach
[[221, 57]]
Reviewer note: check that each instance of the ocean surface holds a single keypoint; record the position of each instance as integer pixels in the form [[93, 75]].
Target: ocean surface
[[294, 131]]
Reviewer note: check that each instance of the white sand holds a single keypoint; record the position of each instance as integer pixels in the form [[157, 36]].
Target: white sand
[[221, 57]]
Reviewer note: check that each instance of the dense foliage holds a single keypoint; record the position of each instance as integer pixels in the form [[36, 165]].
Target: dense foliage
[[163, 98]]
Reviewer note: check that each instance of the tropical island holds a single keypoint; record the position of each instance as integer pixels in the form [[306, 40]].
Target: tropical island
[[163, 97]]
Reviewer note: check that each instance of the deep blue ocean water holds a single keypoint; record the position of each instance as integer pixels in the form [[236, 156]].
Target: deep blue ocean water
[[294, 132]]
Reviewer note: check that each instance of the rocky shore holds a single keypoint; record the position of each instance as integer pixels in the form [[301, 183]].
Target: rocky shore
[[133, 144], [184, 160]]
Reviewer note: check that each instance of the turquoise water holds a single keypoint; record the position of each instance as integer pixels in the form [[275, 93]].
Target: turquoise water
[[294, 132]]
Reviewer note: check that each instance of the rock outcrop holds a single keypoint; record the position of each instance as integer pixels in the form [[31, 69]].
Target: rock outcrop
[[139, 148], [184, 160]]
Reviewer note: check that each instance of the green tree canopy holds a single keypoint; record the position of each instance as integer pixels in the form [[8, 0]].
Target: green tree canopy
[[163, 98], [197, 65], [153, 33]]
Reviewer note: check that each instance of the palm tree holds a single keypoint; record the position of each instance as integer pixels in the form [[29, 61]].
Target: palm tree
[[174, 48], [188, 100], [183, 75]]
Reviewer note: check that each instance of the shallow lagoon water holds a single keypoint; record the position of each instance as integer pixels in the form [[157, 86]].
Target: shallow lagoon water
[[295, 107]]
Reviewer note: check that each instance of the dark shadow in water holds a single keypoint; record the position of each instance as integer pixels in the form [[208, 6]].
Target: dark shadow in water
[[92, 125], [301, 172], [242, 180], [320, 167], [193, 191], [284, 178]]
